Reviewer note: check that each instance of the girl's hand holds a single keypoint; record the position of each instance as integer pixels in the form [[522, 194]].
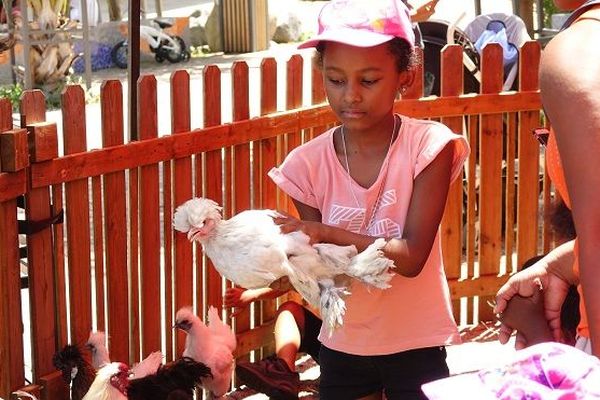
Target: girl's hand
[[288, 224], [239, 298]]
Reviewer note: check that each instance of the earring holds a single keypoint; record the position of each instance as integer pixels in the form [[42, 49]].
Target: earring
[[403, 90]]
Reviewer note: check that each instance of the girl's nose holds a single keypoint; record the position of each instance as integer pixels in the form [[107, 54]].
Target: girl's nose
[[352, 93]]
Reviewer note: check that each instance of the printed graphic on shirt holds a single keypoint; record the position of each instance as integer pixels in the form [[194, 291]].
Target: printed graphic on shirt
[[353, 218]]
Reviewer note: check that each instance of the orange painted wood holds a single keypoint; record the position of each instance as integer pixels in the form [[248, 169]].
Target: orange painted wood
[[149, 223], [452, 222], [244, 167], [133, 184], [528, 153], [54, 387], [182, 191], [43, 141], [188, 143], [98, 266], [268, 160], [59, 267], [40, 269], [167, 261], [294, 84], [295, 68], [11, 336], [111, 100], [214, 176], [14, 154], [452, 85], [318, 94], [490, 161], [6, 122], [77, 212], [509, 191], [472, 202]]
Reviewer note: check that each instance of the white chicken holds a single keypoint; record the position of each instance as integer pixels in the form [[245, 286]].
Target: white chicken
[[212, 344], [250, 250], [111, 383]]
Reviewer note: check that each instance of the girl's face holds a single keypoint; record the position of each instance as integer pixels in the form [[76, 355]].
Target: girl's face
[[361, 83]]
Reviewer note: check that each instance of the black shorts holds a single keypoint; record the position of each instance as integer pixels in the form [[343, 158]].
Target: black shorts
[[310, 337], [399, 376]]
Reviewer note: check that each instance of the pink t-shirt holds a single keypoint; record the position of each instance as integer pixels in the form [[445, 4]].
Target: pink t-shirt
[[414, 312]]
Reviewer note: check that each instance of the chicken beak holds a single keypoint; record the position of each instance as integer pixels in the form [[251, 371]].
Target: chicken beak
[[191, 235]]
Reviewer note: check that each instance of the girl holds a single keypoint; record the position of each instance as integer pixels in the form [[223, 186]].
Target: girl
[[378, 174]]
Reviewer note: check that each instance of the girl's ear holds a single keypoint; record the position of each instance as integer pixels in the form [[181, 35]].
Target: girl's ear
[[405, 80]]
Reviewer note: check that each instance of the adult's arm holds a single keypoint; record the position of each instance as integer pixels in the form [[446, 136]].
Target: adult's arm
[[570, 89]]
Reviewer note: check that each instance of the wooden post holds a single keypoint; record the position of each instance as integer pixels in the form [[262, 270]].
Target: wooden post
[[133, 66]]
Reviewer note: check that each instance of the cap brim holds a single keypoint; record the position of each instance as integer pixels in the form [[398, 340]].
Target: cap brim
[[349, 36]]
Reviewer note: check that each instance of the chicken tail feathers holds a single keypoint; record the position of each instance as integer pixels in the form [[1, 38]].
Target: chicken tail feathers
[[333, 306], [180, 377], [371, 266]]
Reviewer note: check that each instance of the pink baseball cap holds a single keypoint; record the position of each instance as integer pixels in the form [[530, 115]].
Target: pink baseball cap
[[363, 23]]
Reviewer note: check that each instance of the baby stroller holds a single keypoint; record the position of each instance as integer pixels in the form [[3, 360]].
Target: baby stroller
[[507, 30], [436, 34]]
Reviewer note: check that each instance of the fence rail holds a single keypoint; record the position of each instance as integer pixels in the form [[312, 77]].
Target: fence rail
[[101, 252]]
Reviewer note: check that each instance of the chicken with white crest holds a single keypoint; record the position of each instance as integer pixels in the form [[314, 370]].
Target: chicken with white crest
[[250, 250]]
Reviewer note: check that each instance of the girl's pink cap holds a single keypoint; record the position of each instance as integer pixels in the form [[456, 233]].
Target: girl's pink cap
[[363, 23]]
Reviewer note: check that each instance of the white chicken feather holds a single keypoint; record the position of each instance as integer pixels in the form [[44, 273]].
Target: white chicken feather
[[250, 250], [110, 383], [212, 344]]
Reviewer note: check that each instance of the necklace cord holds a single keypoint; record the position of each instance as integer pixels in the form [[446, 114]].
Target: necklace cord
[[381, 185]]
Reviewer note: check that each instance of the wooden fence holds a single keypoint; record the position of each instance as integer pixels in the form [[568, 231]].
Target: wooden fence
[[111, 261]]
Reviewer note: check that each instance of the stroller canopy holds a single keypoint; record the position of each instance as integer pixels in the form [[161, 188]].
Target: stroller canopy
[[506, 29]]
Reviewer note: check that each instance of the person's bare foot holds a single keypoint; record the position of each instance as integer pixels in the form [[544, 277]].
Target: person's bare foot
[[526, 315]]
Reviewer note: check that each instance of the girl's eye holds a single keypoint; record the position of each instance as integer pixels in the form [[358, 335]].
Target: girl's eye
[[336, 81], [369, 82]]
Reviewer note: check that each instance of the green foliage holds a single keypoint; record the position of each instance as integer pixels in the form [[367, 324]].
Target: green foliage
[[549, 9], [12, 93]]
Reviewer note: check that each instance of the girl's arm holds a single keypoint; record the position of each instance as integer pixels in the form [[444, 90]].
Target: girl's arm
[[425, 211], [570, 90]]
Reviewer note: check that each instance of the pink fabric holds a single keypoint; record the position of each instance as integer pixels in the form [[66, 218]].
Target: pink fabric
[[545, 371], [414, 312], [363, 24]]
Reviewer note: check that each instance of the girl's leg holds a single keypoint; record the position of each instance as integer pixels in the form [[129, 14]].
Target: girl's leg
[[288, 329]]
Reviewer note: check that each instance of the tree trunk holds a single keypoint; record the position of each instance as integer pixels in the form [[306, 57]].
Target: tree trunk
[[114, 10]]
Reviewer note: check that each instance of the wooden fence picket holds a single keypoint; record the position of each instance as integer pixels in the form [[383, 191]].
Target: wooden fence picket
[[452, 85], [77, 207], [490, 161], [528, 153], [150, 243], [12, 373], [41, 270], [115, 223], [183, 190], [245, 159]]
